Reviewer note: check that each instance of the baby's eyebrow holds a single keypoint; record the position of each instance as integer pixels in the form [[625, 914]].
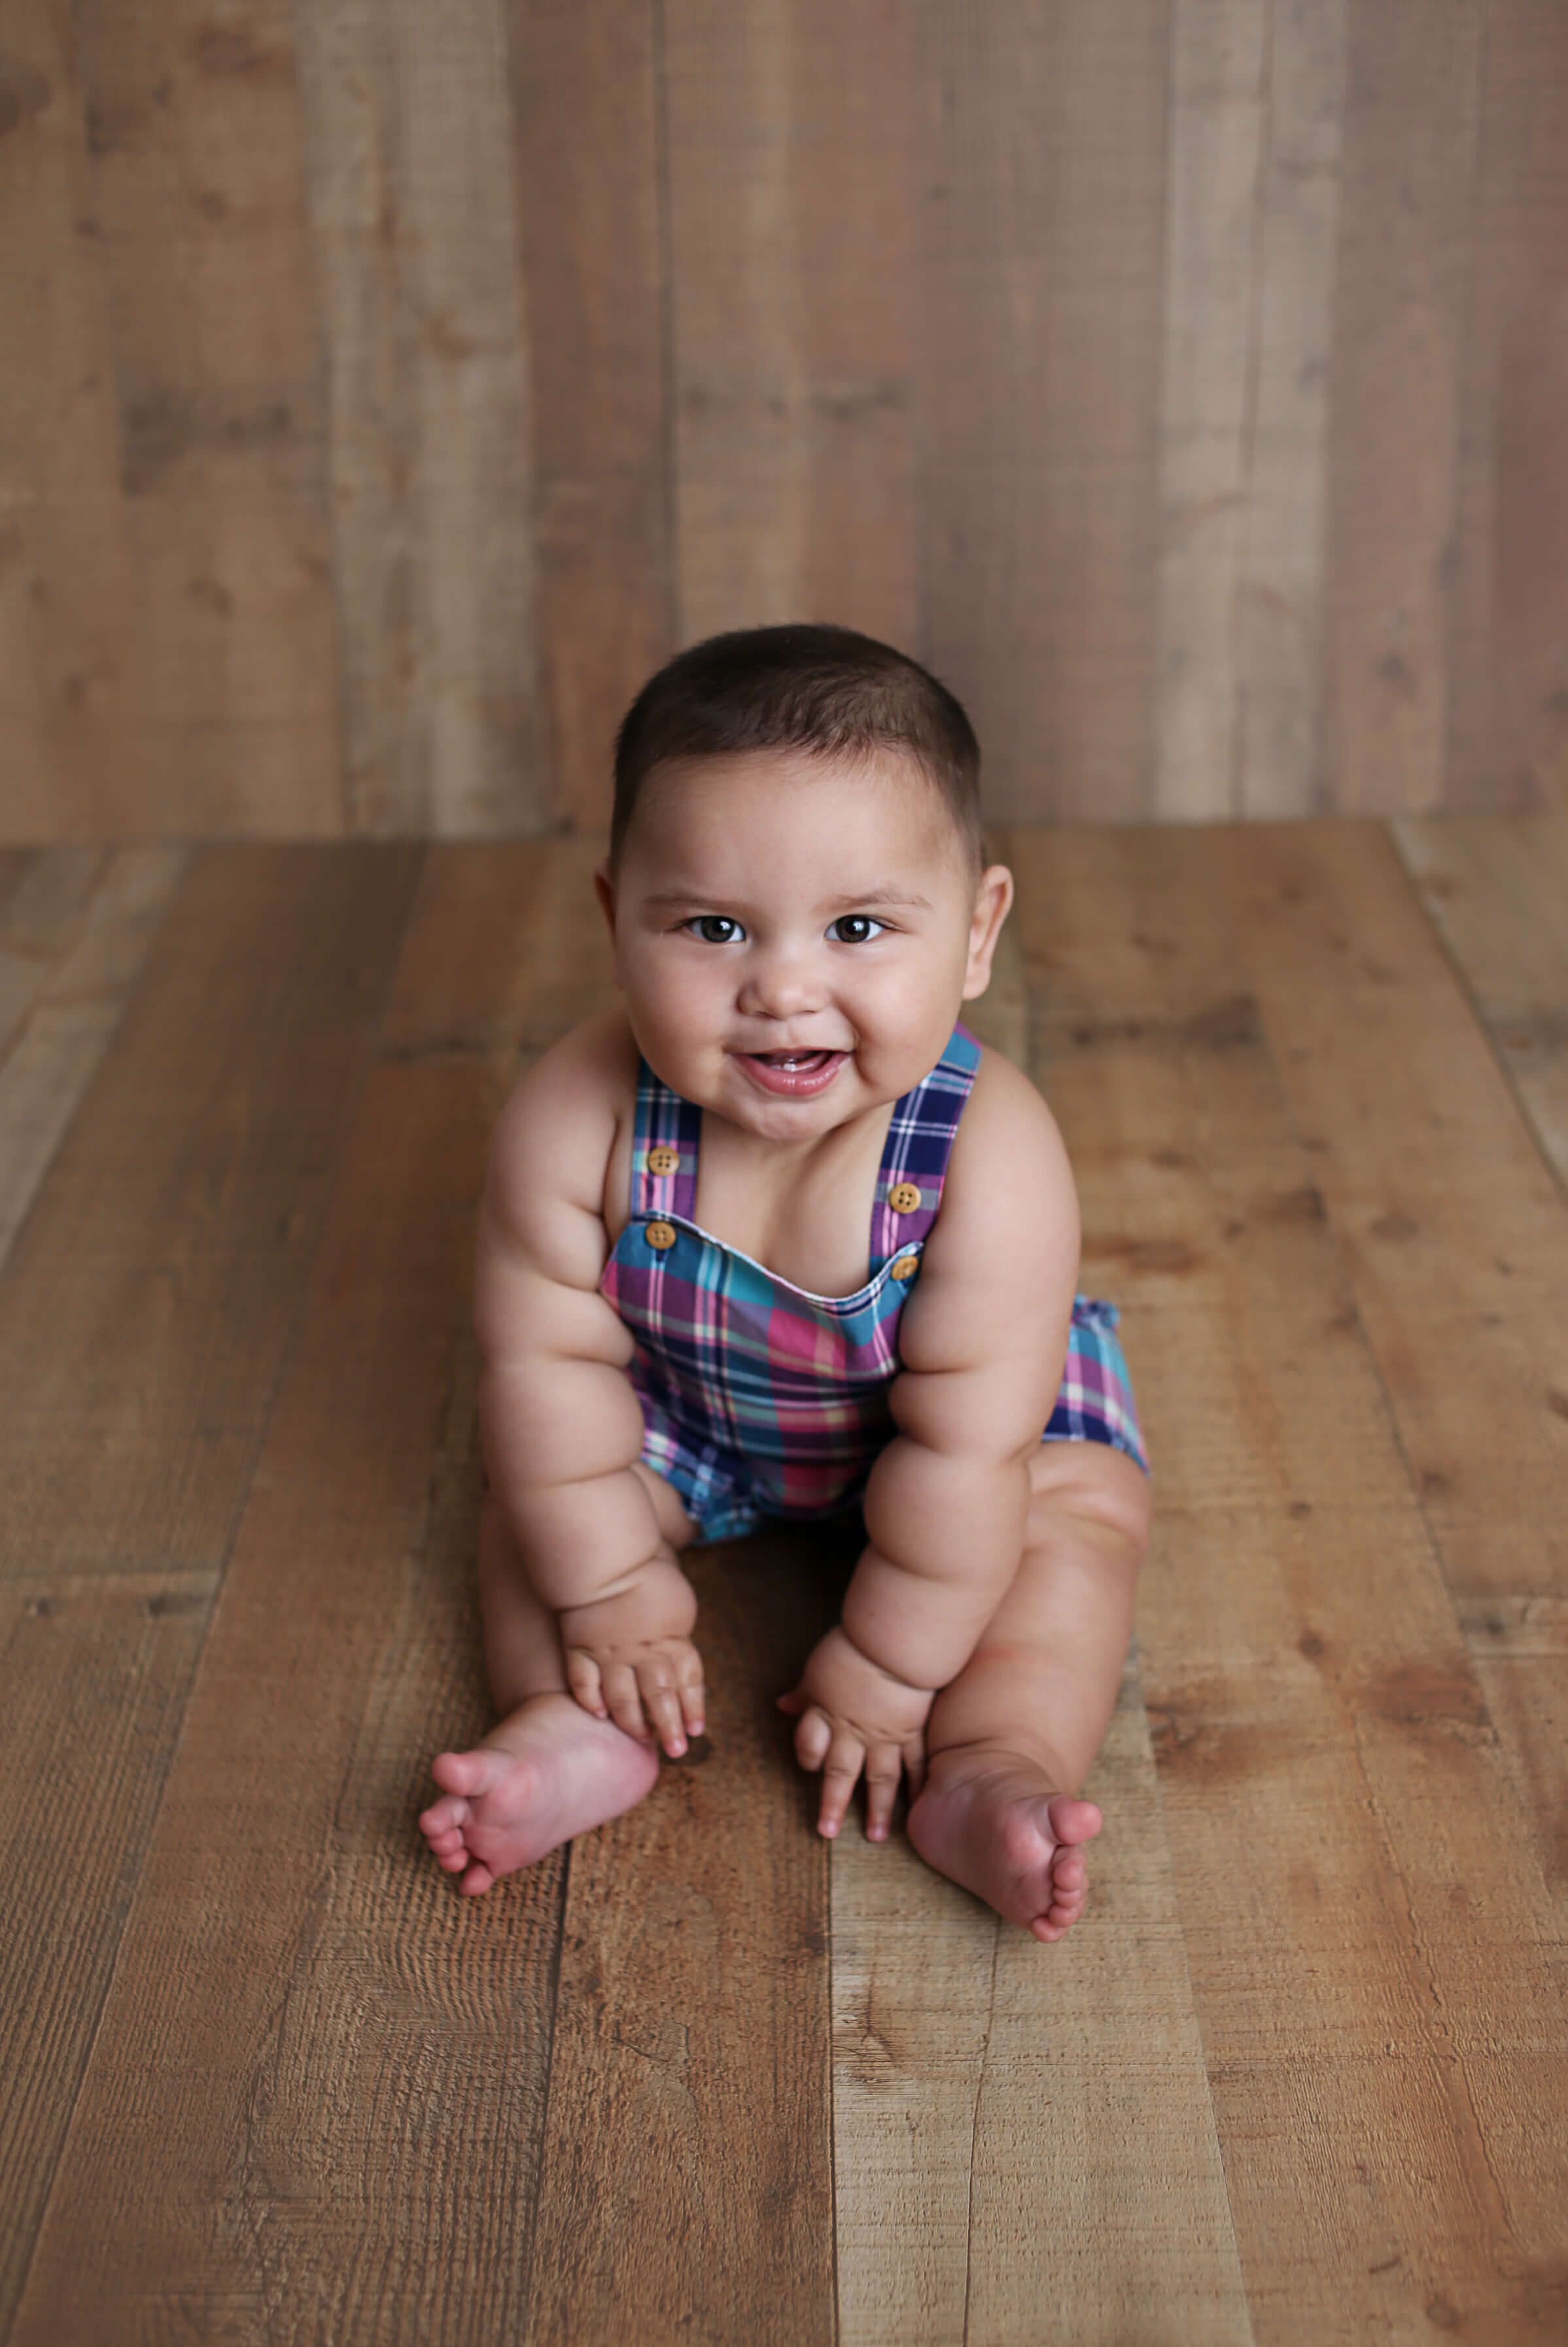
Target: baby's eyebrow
[[890, 900]]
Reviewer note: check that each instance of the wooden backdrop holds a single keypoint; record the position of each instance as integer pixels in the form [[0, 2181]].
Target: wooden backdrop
[[385, 384]]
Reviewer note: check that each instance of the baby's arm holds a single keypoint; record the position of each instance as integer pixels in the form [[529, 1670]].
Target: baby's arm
[[561, 1424], [982, 1341]]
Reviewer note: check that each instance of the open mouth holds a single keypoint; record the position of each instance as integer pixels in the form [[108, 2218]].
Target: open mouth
[[797, 1073]]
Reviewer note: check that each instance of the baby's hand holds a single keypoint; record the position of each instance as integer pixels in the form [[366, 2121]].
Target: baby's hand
[[851, 1716], [629, 1658]]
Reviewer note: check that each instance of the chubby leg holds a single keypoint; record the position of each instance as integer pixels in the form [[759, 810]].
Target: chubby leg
[[1010, 1741], [549, 1770]]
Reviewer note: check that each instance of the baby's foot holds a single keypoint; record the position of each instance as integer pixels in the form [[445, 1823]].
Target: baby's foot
[[991, 1821], [548, 1772]]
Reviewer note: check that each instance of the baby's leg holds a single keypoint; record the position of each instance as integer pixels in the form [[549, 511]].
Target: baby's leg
[[1010, 1741], [549, 1770]]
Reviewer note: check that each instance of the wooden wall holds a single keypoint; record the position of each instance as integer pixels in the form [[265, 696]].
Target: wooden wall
[[386, 385]]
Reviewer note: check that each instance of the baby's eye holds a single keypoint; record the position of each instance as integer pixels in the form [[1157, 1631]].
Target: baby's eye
[[715, 928], [855, 929]]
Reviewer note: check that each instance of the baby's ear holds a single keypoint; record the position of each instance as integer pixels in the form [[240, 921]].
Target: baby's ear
[[993, 900], [604, 890]]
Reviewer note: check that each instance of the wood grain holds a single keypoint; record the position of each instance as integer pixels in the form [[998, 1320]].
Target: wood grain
[[72, 940], [326, 2007], [1508, 710], [144, 1311], [790, 256], [147, 1298], [1373, 1950], [1454, 1243], [1282, 585], [1025, 2149], [198, 209], [1497, 892], [96, 1670], [1039, 175], [70, 690], [1412, 96], [686, 2185], [591, 168], [1217, 140], [414, 226]]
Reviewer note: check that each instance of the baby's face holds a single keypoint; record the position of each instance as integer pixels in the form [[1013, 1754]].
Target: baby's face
[[794, 934]]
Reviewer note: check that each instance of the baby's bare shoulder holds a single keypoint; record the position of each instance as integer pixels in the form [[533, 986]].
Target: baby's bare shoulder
[[1000, 1264], [555, 1134], [541, 1217], [1008, 1165]]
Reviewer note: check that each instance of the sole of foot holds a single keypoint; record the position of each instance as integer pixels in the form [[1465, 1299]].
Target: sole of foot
[[549, 1773], [998, 1829]]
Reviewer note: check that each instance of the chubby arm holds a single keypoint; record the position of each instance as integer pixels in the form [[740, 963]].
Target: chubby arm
[[982, 1342], [560, 1422]]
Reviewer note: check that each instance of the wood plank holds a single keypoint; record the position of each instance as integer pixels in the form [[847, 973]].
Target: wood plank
[[1025, 2149], [1412, 98], [1375, 1956], [144, 1311], [194, 130], [1279, 618], [72, 946], [1508, 724], [409, 184], [1454, 1241], [686, 2184], [1256, 112], [1216, 160], [1040, 171], [790, 258], [299, 1991], [589, 159], [70, 704], [147, 1298], [1497, 890], [96, 1672]]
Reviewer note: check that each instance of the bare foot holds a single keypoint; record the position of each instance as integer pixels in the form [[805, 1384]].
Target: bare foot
[[990, 1820], [548, 1772]]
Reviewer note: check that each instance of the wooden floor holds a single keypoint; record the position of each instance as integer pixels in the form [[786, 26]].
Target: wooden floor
[[1302, 2073]]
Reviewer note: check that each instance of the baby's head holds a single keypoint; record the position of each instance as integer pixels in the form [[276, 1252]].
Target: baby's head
[[794, 886], [813, 692]]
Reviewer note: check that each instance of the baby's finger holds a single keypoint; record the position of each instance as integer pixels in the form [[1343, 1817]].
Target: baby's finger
[[693, 1696], [840, 1770], [883, 1769], [582, 1677], [624, 1702], [812, 1735], [661, 1705]]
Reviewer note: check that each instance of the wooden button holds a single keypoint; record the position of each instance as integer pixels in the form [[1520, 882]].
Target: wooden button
[[660, 1236], [662, 1160], [907, 1266], [903, 1197]]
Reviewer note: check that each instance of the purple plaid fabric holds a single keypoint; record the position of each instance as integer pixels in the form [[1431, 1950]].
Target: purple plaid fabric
[[760, 1400]]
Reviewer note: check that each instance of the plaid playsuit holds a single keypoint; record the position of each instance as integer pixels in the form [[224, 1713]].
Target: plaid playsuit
[[760, 1400]]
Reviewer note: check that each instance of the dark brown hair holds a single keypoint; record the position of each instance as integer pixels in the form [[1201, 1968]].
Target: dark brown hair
[[825, 690]]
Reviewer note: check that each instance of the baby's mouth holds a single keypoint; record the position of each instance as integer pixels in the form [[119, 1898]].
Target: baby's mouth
[[797, 1072]]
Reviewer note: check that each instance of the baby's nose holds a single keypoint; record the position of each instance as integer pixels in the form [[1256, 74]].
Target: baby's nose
[[780, 984]]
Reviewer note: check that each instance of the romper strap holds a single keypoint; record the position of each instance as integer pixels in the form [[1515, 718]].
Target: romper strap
[[664, 1149], [919, 1140]]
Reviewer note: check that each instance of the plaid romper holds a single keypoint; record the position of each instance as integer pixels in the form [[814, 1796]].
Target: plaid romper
[[760, 1400]]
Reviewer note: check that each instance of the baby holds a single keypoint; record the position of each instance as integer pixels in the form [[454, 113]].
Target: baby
[[778, 1239]]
